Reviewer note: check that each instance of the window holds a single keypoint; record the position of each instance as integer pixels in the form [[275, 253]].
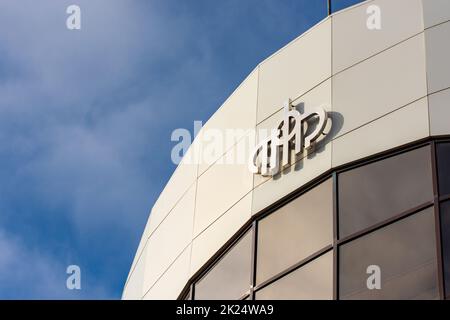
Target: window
[[312, 281], [445, 227], [443, 159], [404, 251], [230, 277], [294, 232], [380, 190], [384, 199]]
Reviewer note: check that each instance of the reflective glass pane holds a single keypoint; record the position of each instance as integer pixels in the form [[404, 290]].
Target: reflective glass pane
[[313, 281], [295, 231], [230, 277], [443, 157], [380, 190], [402, 256], [445, 227]]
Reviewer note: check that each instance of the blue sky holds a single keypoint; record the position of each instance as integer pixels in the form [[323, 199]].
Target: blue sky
[[86, 118]]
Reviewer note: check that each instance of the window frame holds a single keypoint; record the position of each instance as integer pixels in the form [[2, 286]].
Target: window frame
[[334, 247]]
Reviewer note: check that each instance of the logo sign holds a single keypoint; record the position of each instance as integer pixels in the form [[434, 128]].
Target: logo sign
[[291, 134]]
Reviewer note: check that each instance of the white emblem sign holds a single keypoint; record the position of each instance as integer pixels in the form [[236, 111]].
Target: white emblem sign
[[291, 133]]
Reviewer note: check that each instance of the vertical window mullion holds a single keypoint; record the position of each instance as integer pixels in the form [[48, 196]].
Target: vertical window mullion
[[335, 238], [254, 252], [192, 291]]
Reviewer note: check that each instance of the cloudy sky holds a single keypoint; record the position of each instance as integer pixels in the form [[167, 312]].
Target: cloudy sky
[[86, 117]]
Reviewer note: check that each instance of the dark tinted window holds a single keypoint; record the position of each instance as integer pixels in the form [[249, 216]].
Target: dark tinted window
[[445, 225], [405, 253], [443, 156], [311, 281], [294, 232], [380, 190], [230, 277]]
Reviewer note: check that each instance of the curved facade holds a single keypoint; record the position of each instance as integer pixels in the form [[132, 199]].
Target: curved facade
[[370, 197]]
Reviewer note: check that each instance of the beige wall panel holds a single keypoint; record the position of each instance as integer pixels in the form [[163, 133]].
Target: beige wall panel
[[223, 184], [400, 127], [353, 41], [295, 69], [438, 55], [170, 239], [139, 250], [172, 282], [182, 179], [232, 121], [134, 287], [216, 235], [439, 104], [435, 11], [380, 85]]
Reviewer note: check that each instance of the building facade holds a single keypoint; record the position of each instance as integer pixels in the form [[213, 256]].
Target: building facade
[[362, 211]]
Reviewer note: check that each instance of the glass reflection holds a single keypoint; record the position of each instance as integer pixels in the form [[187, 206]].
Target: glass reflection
[[313, 281], [294, 232], [445, 227], [380, 190], [406, 255], [230, 277], [443, 159]]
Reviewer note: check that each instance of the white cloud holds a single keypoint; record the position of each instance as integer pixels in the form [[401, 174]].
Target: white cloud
[[80, 119], [32, 274]]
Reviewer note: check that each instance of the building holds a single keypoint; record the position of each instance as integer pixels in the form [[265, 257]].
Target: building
[[364, 214]]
